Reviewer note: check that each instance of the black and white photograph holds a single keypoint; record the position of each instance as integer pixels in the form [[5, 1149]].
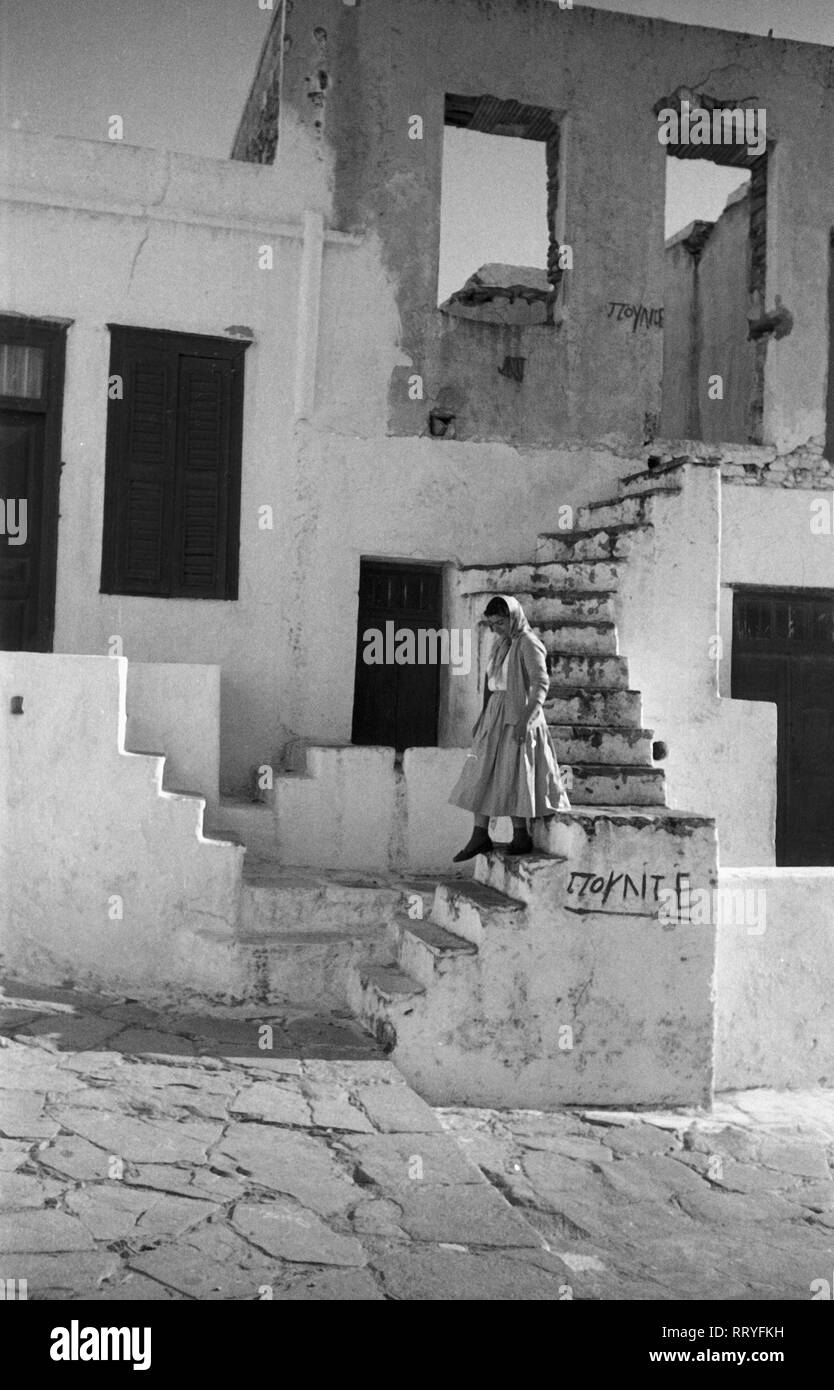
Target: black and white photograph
[[417, 667]]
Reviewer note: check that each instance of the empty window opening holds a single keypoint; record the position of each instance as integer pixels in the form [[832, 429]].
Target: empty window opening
[[498, 249], [714, 293]]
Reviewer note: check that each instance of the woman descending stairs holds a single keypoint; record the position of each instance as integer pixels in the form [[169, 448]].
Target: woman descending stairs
[[570, 975]]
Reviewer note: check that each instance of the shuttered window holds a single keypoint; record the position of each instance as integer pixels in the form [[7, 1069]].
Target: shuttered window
[[172, 481]]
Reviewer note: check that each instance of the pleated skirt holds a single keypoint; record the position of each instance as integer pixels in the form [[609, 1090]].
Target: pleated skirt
[[503, 778]]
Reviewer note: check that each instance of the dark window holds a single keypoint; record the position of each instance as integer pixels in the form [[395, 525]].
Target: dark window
[[172, 483]]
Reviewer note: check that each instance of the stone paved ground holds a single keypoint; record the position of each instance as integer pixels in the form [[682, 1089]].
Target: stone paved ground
[[737, 1204], [147, 1156]]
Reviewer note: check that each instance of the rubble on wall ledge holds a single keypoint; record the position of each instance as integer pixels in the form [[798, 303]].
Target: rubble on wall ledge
[[755, 465]]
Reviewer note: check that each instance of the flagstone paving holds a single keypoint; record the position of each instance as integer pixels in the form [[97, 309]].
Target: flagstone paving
[[146, 1156]]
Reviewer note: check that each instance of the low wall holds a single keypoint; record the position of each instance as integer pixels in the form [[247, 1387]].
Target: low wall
[[775, 979], [108, 880], [355, 809], [175, 709]]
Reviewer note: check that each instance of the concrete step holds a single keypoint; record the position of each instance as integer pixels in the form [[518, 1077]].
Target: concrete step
[[542, 578], [600, 837], [425, 950], [302, 968], [616, 784], [579, 606], [249, 823], [584, 704], [636, 510], [565, 637], [602, 543], [520, 877], [586, 743], [276, 900], [582, 670], [386, 1000], [566, 605], [467, 907], [665, 478]]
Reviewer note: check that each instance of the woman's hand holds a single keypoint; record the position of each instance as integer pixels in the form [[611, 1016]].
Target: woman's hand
[[520, 730]]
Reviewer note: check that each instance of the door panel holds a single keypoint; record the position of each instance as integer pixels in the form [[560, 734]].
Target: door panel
[[21, 477], [31, 392], [396, 705]]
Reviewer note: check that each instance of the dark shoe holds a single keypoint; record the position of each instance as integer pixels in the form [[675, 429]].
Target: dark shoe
[[521, 843], [479, 843]]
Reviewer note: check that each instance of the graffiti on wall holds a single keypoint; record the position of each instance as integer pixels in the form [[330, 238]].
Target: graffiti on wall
[[638, 313], [619, 894]]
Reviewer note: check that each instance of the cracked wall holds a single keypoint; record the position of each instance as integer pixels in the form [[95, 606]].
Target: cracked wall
[[601, 73]]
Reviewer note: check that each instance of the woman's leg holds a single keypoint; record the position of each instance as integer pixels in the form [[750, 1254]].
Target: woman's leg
[[521, 842], [479, 841]]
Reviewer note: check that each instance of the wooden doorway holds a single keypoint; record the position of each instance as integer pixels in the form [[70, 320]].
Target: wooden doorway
[[32, 356], [396, 705], [783, 652]]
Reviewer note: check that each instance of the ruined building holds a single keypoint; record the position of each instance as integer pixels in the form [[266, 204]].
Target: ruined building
[[249, 427]]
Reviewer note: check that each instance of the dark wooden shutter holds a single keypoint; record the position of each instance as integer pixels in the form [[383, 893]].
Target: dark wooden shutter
[[140, 470], [202, 477], [172, 489]]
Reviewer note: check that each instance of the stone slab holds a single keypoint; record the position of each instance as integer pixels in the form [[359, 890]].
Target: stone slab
[[287, 1231]]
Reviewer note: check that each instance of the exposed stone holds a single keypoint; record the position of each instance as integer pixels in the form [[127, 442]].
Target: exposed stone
[[147, 1042], [72, 1034], [466, 1215], [331, 1109], [100, 1064], [273, 1103], [77, 1158], [22, 1116], [330, 1286], [13, 1152], [117, 1210], [66, 1276], [18, 1190], [394, 1161], [378, 1216], [448, 1276], [584, 1150], [396, 1109], [641, 1139], [805, 1159], [132, 1288], [187, 1182], [733, 1209], [211, 1263], [650, 1177], [34, 1232], [143, 1141], [289, 1232], [298, 1165], [12, 1017]]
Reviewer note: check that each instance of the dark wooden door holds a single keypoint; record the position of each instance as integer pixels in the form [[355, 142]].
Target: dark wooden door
[[31, 390], [783, 652], [394, 704]]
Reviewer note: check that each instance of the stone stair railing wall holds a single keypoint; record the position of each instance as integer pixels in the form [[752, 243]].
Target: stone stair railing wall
[[108, 878], [721, 752], [567, 975]]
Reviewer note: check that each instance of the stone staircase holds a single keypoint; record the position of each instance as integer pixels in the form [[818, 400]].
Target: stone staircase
[[558, 977]]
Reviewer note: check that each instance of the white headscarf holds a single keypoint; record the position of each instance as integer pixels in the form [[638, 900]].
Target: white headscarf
[[501, 645]]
